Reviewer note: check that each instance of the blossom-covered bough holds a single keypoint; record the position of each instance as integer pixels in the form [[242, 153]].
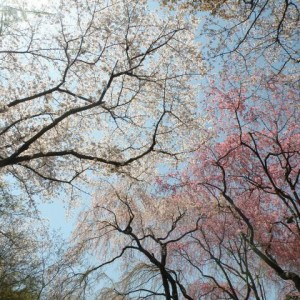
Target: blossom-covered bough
[[94, 85]]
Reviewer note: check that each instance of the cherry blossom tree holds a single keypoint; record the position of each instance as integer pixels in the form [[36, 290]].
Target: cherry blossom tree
[[93, 86], [90, 89], [253, 169]]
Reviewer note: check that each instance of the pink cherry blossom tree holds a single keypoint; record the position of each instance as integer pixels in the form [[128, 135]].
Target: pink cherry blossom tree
[[253, 166]]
